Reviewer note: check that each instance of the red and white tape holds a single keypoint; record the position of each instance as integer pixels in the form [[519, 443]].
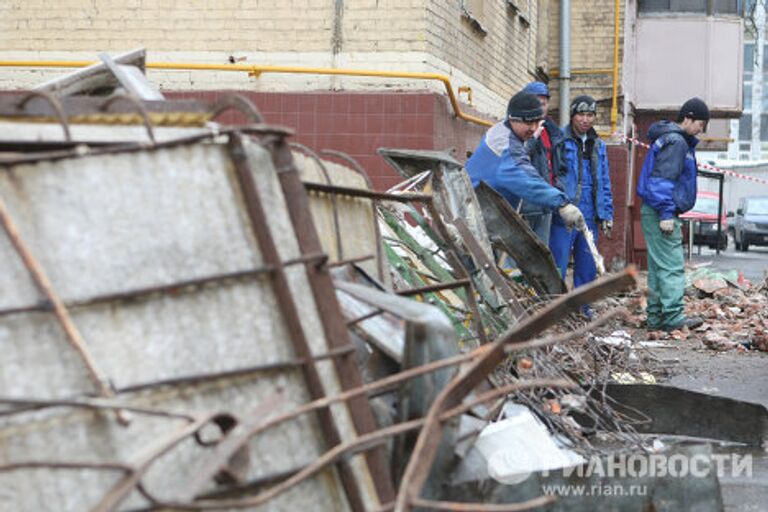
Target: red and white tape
[[727, 172]]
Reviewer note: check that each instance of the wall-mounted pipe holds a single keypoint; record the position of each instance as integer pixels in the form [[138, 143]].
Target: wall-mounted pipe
[[256, 71], [615, 94], [565, 61]]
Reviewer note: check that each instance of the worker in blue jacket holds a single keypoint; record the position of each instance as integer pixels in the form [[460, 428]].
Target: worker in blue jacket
[[582, 172], [501, 161], [667, 186], [541, 149]]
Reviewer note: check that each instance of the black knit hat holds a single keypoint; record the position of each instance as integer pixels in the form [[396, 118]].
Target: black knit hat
[[524, 106], [695, 109], [583, 103]]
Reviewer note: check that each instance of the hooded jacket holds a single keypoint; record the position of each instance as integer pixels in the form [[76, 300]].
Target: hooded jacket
[[504, 164], [569, 164], [667, 180]]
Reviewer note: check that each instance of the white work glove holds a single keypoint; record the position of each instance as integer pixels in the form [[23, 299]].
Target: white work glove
[[572, 216], [667, 226], [607, 227]]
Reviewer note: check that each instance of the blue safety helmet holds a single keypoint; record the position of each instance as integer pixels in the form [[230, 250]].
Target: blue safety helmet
[[537, 88]]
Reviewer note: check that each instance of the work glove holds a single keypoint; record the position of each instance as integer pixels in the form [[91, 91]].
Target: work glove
[[667, 226], [607, 227], [572, 217]]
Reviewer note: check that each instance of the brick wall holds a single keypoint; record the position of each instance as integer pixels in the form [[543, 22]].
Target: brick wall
[[360, 123], [592, 27], [504, 59], [396, 35]]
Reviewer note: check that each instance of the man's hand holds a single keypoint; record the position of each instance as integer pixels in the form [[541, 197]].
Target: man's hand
[[607, 227], [667, 226], [572, 216]]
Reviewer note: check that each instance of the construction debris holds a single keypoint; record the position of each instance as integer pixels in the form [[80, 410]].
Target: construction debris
[[199, 316]]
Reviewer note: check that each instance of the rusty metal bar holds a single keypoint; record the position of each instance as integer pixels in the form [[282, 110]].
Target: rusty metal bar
[[55, 105], [452, 255], [239, 103], [139, 108], [459, 283], [268, 367], [27, 404], [355, 165], [431, 435], [334, 202], [270, 255], [334, 325], [125, 485], [367, 194], [362, 443], [43, 284], [489, 268], [350, 261], [141, 292], [318, 259]]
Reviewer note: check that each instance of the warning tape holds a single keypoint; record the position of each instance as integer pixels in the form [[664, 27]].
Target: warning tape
[[708, 167]]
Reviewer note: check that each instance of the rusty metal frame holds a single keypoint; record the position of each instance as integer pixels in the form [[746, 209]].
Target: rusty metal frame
[[355, 165], [451, 252], [489, 268], [334, 325], [334, 203], [452, 396], [270, 255]]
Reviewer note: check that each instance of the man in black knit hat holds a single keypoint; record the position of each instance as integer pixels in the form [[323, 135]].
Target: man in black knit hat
[[501, 160], [667, 185]]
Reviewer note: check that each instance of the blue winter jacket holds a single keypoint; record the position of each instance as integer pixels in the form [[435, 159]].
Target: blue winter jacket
[[505, 165], [569, 164], [667, 180]]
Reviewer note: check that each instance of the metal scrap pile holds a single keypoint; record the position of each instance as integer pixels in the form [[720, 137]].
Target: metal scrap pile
[[211, 318]]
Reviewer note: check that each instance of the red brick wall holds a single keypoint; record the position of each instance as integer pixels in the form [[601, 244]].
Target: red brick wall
[[615, 250], [359, 123]]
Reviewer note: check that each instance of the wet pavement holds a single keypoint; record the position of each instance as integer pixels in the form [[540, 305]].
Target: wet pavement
[[732, 374], [754, 263]]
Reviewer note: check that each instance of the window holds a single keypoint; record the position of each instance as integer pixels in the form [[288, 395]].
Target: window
[[745, 127], [472, 11]]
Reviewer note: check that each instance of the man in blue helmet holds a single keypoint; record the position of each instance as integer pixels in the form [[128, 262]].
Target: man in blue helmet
[[501, 160], [541, 150], [667, 186], [582, 172]]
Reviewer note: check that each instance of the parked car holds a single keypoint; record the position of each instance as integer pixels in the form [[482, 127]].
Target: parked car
[[703, 219], [750, 225]]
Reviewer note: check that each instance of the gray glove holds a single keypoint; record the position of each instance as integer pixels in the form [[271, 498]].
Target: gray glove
[[572, 216], [607, 227], [667, 226]]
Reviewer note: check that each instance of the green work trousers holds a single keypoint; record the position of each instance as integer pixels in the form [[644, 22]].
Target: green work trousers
[[666, 273]]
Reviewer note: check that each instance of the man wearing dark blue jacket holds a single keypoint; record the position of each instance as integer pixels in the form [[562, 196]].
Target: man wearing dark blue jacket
[[667, 185], [541, 150], [501, 160], [582, 172]]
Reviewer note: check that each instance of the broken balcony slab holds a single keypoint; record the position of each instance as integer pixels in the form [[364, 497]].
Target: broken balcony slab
[[511, 233], [182, 271]]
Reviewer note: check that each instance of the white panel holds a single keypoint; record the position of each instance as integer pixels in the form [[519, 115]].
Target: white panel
[[681, 57], [725, 61]]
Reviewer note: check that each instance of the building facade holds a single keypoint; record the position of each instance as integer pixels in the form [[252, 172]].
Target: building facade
[[639, 57]]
